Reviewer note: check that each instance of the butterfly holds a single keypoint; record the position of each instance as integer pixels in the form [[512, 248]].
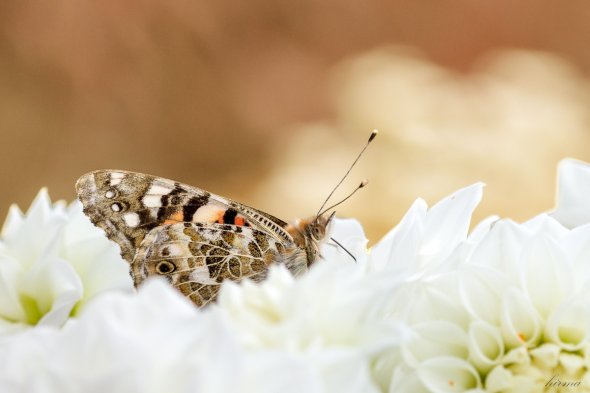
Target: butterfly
[[193, 238]]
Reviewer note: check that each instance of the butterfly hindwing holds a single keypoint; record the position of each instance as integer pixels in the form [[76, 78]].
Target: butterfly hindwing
[[196, 258], [128, 205]]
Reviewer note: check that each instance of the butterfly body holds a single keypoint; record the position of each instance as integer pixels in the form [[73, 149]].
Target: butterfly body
[[193, 238]]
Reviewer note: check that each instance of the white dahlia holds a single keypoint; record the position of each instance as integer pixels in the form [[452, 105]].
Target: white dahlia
[[52, 260], [335, 310], [432, 307], [156, 341], [504, 309]]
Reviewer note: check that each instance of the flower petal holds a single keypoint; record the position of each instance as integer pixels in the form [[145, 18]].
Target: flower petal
[[447, 222], [449, 374], [573, 208], [398, 249], [350, 234], [481, 289], [569, 325], [546, 355], [486, 346], [501, 249], [520, 322], [498, 380], [547, 274], [433, 339]]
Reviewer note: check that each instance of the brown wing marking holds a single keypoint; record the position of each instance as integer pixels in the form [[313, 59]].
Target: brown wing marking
[[196, 258], [127, 205]]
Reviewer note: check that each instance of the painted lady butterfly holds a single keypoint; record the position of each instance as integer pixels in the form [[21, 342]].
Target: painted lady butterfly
[[193, 238]]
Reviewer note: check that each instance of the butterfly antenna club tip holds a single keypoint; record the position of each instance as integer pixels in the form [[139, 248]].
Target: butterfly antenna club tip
[[373, 135]]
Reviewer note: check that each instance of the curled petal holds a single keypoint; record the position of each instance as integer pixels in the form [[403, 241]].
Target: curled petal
[[449, 374], [433, 339], [499, 379], [486, 347], [520, 322], [546, 355], [517, 356], [569, 325]]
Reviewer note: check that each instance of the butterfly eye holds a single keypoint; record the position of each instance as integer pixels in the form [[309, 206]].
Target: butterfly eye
[[316, 232], [165, 267]]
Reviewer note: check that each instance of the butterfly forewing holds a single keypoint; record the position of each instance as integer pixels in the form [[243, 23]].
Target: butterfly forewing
[[128, 205]]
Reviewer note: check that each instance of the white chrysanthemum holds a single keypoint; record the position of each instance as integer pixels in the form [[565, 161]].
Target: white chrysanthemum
[[156, 341], [52, 260], [337, 307], [431, 308], [505, 309]]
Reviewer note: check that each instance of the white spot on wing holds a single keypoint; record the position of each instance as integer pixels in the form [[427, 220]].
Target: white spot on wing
[[207, 213], [156, 189], [131, 219], [109, 194], [116, 207], [152, 201], [201, 275], [116, 178]]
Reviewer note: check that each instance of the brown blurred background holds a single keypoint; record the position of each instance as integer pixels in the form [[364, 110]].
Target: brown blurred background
[[267, 102]]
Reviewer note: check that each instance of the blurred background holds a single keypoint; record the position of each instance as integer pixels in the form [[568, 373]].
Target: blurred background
[[267, 102]]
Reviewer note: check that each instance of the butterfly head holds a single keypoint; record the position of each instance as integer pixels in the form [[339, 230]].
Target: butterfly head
[[318, 227], [314, 232]]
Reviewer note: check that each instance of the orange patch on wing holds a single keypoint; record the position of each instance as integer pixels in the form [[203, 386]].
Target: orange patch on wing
[[239, 221], [175, 217]]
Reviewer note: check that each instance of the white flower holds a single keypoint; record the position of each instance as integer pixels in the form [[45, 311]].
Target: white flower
[[157, 341], [335, 310], [52, 260], [504, 309], [573, 208], [431, 308]]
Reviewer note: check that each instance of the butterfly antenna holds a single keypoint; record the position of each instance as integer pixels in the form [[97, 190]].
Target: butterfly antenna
[[363, 183], [344, 248], [373, 135]]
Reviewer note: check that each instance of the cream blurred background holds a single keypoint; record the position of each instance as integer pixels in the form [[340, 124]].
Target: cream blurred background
[[267, 102]]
